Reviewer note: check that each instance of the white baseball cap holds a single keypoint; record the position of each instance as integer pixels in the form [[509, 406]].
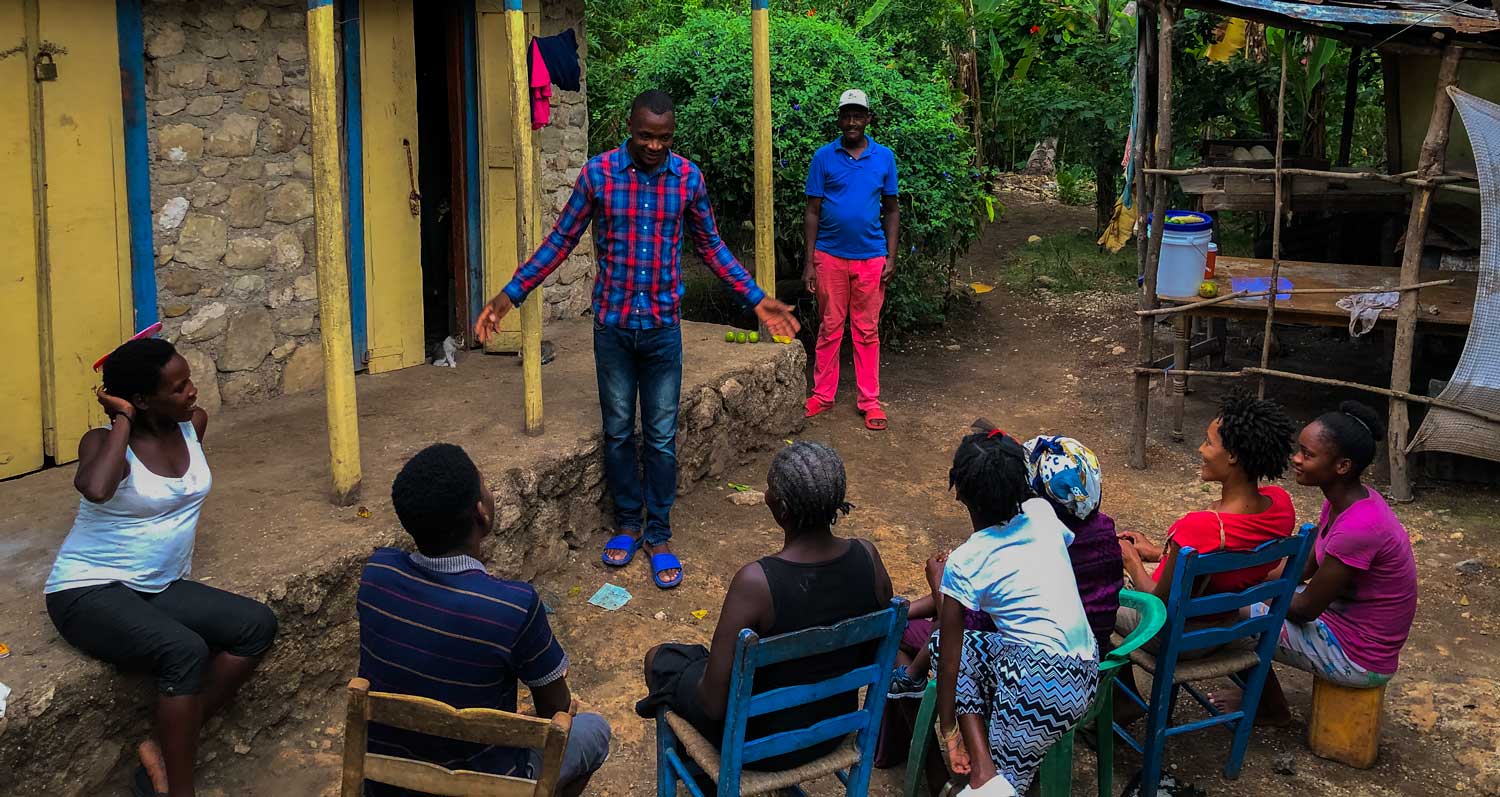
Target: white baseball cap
[[854, 97]]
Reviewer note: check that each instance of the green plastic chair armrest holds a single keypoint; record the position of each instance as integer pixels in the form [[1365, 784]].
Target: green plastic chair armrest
[[1153, 615]]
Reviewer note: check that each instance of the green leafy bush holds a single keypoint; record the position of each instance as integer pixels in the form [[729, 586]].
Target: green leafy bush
[[705, 65]]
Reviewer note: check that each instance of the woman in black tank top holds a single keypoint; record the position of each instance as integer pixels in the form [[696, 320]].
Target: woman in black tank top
[[816, 579]]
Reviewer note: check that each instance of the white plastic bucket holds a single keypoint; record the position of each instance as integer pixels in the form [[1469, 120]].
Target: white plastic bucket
[[1184, 254]]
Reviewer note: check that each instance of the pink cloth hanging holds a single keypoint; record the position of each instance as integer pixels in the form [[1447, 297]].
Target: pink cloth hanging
[[541, 88]]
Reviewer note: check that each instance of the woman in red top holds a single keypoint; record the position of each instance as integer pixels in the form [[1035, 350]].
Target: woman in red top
[[1250, 440]]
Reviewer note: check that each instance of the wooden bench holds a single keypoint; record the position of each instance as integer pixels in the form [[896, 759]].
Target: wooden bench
[[1345, 724]]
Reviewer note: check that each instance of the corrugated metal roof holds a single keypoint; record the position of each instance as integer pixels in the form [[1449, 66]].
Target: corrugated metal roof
[[1462, 16]]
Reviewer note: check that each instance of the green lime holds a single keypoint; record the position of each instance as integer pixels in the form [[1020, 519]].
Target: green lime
[[729, 337], [740, 337], [754, 337]]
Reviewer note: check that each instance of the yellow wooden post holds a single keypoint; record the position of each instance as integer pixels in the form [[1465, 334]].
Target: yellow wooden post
[[333, 277], [530, 226], [765, 224]]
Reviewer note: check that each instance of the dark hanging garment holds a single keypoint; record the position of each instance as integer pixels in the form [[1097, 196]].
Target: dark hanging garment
[[560, 54]]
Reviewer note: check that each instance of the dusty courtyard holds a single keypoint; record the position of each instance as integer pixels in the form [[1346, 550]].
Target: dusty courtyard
[[1032, 363]]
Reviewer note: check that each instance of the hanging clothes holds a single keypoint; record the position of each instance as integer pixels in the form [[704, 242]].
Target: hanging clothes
[[540, 88], [560, 53]]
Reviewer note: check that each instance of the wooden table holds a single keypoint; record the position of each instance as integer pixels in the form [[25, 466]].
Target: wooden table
[[1454, 306]]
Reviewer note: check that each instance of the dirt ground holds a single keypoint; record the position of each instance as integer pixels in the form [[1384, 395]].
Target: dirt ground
[[1033, 364]]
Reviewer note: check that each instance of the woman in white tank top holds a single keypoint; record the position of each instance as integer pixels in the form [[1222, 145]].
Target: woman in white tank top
[[119, 589]]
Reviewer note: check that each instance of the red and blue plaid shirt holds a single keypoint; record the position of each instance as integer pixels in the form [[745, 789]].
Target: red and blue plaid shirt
[[638, 220]]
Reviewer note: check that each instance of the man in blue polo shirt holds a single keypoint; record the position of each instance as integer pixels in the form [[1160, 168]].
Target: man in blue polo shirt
[[851, 223], [435, 624]]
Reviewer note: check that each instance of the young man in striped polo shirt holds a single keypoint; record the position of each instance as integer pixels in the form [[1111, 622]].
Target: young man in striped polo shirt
[[435, 624]]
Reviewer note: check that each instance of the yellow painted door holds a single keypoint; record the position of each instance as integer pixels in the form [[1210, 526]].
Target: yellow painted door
[[21, 422], [64, 217], [499, 211], [87, 234], [393, 232]]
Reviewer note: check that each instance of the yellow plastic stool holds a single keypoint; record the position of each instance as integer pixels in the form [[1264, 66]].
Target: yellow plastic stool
[[1345, 723]]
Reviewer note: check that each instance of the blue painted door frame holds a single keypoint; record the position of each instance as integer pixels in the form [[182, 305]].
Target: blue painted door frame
[[132, 43], [348, 18]]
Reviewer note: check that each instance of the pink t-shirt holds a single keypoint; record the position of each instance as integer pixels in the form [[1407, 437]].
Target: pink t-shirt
[[1373, 620]]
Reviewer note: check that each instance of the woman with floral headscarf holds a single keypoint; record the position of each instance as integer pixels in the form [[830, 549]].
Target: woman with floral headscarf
[[1066, 473]]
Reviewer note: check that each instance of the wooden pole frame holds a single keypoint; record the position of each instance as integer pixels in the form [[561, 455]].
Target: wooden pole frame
[[529, 229], [1276, 209], [1429, 164], [765, 209], [332, 263], [1154, 188]]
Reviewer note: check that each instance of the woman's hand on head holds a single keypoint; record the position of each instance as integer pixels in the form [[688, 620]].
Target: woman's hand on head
[[114, 405]]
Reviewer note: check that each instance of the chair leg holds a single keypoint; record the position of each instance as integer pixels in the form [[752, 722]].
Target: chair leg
[[1057, 768], [1155, 741], [1249, 704], [1104, 730], [666, 776], [921, 736]]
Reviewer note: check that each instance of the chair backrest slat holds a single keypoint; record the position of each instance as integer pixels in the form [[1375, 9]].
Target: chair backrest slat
[[1213, 562], [1223, 635], [1226, 602], [788, 696], [434, 718], [787, 741], [823, 639], [479, 725], [421, 776]]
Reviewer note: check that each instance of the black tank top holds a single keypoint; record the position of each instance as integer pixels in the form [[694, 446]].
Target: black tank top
[[806, 596]]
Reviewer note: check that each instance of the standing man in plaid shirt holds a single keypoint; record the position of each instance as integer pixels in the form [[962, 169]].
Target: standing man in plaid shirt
[[639, 198]]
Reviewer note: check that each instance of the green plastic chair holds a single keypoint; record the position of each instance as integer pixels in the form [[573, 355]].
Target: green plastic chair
[[1056, 775]]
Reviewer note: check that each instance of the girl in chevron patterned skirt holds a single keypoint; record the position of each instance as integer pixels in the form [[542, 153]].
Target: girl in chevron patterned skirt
[[1005, 696]]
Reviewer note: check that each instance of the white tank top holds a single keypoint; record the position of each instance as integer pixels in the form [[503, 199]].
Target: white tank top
[[143, 535]]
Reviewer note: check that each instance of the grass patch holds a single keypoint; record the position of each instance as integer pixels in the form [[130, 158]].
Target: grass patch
[[1070, 263]]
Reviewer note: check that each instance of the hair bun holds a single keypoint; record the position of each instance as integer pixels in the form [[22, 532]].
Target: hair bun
[[1366, 415]]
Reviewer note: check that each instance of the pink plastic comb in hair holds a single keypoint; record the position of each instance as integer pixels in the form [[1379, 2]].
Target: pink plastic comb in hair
[[148, 332]]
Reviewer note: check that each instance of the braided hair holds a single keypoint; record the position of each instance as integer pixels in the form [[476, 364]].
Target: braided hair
[[1258, 433], [1354, 429], [134, 368], [989, 473], [435, 496], [807, 481]]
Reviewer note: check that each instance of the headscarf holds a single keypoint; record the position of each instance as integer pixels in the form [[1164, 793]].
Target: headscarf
[[1064, 471]]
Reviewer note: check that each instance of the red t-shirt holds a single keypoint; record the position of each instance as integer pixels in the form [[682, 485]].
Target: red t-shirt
[[1202, 531]]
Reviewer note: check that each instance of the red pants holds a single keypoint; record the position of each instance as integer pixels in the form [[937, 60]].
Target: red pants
[[848, 290]]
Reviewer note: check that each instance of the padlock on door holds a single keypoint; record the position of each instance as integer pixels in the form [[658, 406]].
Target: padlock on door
[[46, 68]]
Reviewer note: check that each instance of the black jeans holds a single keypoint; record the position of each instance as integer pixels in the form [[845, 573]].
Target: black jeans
[[171, 634]]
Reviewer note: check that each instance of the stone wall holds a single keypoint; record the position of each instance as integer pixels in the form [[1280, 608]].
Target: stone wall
[[231, 191], [564, 149]]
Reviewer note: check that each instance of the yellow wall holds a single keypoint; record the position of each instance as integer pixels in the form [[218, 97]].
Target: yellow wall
[[393, 235], [66, 295]]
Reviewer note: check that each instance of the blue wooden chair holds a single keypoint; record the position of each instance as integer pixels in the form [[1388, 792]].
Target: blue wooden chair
[[1248, 645], [851, 762]]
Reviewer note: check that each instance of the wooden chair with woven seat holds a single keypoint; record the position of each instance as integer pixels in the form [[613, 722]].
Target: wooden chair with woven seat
[[724, 762], [478, 725], [1247, 645]]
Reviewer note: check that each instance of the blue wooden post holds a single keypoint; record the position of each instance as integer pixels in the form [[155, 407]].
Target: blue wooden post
[[354, 181], [132, 39]]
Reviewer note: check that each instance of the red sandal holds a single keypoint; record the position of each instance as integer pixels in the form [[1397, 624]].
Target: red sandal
[[875, 420], [816, 407]]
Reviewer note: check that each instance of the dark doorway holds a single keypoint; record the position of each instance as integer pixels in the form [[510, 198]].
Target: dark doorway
[[442, 181]]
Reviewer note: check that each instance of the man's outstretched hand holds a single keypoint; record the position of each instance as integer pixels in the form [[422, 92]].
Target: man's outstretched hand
[[775, 316], [489, 318]]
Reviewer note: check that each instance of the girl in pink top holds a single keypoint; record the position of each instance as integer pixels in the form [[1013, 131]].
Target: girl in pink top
[[1348, 623]]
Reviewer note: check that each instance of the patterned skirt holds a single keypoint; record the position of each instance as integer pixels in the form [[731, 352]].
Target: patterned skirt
[[1028, 697]]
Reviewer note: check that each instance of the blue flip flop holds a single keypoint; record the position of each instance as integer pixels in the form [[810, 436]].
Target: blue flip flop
[[621, 542], [661, 562]]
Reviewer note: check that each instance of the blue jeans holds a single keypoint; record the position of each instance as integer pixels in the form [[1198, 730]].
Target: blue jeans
[[648, 363], [587, 750]]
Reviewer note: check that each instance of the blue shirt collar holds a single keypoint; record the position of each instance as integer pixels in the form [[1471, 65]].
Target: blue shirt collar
[[459, 563], [870, 146], [623, 162]]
